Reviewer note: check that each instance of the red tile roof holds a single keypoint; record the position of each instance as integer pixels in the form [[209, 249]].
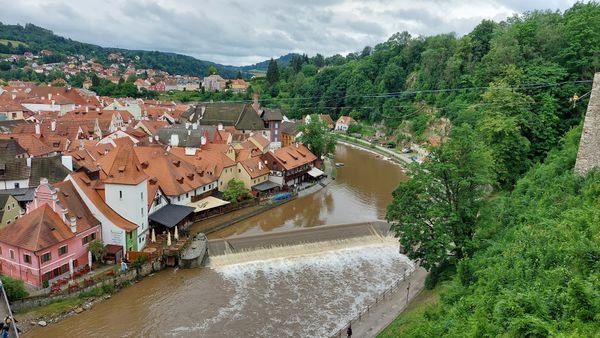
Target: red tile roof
[[40, 229]]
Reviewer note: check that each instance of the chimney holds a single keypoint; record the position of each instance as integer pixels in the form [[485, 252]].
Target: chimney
[[260, 165], [53, 125], [49, 96], [14, 96], [255, 103], [187, 125], [87, 109], [81, 144], [38, 128], [29, 162], [220, 126], [202, 140], [73, 221]]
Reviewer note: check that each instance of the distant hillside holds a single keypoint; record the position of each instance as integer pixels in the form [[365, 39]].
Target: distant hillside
[[34, 39], [283, 60]]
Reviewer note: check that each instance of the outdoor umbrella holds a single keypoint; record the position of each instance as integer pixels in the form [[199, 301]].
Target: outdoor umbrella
[[168, 238], [71, 267], [176, 234], [153, 239], [90, 260]]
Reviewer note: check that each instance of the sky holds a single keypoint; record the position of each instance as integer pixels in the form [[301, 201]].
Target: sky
[[240, 32]]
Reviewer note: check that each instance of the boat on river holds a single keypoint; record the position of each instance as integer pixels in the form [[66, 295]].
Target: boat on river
[[193, 255], [339, 164]]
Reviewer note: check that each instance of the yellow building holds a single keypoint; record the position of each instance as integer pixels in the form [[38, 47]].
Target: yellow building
[[9, 210]]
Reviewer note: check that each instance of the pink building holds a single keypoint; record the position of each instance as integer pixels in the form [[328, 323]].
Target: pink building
[[53, 234]]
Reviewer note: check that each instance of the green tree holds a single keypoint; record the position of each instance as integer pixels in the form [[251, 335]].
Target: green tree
[[212, 70], [96, 247], [239, 75], [272, 72], [434, 213], [317, 137], [236, 191], [15, 288]]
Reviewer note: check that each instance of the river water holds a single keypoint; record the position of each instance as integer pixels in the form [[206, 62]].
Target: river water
[[311, 293]]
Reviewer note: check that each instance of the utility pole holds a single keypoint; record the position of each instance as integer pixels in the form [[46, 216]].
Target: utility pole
[[407, 292]]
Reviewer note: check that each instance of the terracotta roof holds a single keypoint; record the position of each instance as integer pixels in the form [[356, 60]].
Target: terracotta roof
[[345, 120], [174, 176], [32, 144], [294, 156], [255, 167], [90, 188], [37, 230], [121, 166], [70, 199], [211, 161], [261, 140]]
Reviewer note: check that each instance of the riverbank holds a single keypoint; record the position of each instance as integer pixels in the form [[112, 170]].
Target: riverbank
[[400, 158], [54, 309]]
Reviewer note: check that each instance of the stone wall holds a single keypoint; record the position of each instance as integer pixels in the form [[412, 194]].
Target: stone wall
[[119, 280], [588, 156]]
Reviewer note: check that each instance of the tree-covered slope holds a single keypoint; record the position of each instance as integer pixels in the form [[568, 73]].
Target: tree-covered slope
[[37, 38], [536, 270]]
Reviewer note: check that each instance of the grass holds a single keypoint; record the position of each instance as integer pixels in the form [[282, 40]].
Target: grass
[[15, 43], [413, 313], [55, 308]]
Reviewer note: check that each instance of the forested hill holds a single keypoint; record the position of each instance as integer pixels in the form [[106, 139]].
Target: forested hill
[[35, 39]]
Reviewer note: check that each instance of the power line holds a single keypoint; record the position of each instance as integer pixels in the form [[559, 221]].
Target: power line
[[529, 86]]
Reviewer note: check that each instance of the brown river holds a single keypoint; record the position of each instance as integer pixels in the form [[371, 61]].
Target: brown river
[[309, 291]]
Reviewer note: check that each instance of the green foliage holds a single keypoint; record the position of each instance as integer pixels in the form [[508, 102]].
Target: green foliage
[[96, 247], [236, 191], [434, 213], [15, 288], [316, 136], [536, 269], [272, 72]]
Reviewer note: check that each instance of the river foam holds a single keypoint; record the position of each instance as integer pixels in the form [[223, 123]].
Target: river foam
[[309, 291]]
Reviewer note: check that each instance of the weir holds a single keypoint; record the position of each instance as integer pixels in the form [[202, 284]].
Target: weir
[[323, 233]]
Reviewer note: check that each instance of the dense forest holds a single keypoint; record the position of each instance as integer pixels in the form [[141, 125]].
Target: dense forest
[[495, 213]]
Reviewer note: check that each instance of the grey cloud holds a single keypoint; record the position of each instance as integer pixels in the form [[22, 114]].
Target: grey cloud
[[241, 32]]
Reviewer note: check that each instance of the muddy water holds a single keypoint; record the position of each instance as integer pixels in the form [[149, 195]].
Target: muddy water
[[310, 294], [361, 193]]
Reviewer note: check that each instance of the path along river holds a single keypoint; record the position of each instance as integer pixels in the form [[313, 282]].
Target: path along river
[[311, 293]]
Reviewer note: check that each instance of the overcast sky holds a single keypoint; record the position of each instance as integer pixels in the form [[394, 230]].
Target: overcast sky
[[243, 32]]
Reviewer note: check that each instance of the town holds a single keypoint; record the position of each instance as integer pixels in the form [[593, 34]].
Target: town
[[78, 168]]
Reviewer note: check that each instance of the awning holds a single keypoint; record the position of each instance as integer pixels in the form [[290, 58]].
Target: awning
[[315, 172], [265, 186], [207, 203], [171, 214]]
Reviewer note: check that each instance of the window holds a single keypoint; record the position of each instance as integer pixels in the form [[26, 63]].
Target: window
[[239, 171], [187, 195], [12, 254], [63, 250], [8, 222], [142, 211], [120, 194], [46, 257], [27, 258], [142, 196], [85, 240], [276, 126], [0, 251], [17, 185], [276, 131], [8, 207], [13, 205]]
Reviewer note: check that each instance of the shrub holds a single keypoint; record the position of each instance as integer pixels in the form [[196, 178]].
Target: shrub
[[15, 289]]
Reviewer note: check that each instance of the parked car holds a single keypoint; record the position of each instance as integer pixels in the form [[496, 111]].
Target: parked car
[[407, 150], [391, 145], [414, 158]]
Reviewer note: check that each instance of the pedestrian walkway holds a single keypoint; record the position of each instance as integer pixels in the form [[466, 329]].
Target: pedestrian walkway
[[380, 315]]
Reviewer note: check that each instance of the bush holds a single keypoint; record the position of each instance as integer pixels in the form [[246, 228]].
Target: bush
[[15, 289]]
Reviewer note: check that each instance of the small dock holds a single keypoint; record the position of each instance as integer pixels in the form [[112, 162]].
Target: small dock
[[194, 254]]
